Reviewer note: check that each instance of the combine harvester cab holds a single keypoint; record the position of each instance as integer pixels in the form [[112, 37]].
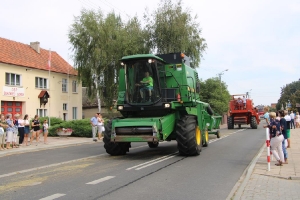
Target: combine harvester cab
[[158, 98], [242, 114]]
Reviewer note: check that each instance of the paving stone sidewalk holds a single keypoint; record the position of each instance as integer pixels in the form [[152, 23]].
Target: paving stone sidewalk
[[281, 182]]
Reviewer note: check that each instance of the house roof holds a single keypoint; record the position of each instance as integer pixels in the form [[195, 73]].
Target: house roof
[[20, 54]]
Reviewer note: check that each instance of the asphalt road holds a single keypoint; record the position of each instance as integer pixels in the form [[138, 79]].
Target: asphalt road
[[87, 172]]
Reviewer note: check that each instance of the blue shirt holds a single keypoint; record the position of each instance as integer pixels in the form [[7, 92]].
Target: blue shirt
[[266, 116], [9, 122], [94, 121]]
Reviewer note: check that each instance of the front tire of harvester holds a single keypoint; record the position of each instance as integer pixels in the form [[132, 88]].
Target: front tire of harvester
[[253, 123], [153, 144], [230, 122], [205, 141], [114, 148], [189, 139]]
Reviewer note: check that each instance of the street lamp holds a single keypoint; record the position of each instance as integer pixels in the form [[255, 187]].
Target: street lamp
[[248, 94], [220, 76]]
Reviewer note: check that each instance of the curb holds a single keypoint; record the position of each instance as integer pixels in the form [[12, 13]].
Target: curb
[[239, 187]]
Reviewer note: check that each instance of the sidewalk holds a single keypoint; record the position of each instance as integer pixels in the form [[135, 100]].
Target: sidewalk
[[53, 142], [281, 182]]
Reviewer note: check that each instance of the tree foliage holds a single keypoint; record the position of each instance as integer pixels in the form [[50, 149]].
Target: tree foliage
[[98, 43], [216, 94], [173, 29], [289, 93]]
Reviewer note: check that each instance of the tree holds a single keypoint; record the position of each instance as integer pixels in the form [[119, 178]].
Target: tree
[[289, 93], [98, 43], [173, 29], [216, 94]]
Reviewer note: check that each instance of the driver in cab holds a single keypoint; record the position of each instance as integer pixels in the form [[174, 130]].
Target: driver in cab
[[147, 85]]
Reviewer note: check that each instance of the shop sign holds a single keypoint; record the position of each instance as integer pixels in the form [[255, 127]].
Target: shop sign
[[13, 91]]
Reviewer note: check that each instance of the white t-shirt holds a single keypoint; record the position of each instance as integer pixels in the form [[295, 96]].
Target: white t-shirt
[[287, 118], [26, 121], [292, 115], [20, 123]]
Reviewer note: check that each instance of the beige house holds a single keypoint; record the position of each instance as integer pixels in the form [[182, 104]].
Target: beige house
[[28, 86]]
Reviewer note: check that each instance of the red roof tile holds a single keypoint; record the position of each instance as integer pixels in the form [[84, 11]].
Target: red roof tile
[[42, 93], [20, 54]]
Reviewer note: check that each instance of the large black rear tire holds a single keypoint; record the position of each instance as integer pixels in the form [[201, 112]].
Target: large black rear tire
[[153, 144], [189, 139], [253, 123], [114, 148], [230, 122]]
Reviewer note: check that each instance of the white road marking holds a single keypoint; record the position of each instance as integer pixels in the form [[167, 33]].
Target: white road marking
[[155, 162], [145, 163], [100, 180], [54, 196], [229, 134], [57, 164]]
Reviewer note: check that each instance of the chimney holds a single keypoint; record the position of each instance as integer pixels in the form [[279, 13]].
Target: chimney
[[35, 46]]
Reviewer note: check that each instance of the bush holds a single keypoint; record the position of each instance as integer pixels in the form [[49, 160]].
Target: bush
[[81, 128], [53, 120]]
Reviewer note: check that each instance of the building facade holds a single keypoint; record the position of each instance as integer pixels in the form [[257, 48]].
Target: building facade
[[29, 86]]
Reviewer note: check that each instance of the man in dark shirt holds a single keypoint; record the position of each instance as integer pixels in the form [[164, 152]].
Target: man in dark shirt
[[283, 126]]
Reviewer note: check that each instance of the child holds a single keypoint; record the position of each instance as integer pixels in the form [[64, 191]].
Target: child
[[45, 130]]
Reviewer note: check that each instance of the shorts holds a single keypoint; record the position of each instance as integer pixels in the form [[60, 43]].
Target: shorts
[[288, 133]]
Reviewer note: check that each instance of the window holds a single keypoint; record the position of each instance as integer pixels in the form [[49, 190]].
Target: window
[[64, 85], [9, 109], [12, 79], [41, 112], [17, 109], [41, 83], [65, 106], [2, 109], [74, 112], [74, 86]]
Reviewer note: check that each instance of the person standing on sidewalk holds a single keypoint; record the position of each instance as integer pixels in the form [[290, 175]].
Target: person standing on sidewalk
[[21, 130], [276, 139], [35, 124], [26, 129], [3, 125], [100, 126], [288, 127], [45, 130], [94, 123], [297, 120], [266, 115], [9, 130], [283, 127], [292, 115]]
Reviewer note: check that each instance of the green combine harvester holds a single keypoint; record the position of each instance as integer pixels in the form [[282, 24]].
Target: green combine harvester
[[159, 100]]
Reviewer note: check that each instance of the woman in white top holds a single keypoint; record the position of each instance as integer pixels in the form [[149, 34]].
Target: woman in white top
[[100, 126], [21, 130], [297, 120]]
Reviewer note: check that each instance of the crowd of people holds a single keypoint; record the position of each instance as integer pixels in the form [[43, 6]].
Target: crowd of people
[[97, 124], [279, 124], [13, 126]]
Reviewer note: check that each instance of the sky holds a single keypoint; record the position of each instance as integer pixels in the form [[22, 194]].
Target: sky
[[258, 41]]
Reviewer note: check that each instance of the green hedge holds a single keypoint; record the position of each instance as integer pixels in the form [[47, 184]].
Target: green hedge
[[81, 128]]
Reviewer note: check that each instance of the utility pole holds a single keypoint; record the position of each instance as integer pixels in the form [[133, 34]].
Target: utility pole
[[220, 77]]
